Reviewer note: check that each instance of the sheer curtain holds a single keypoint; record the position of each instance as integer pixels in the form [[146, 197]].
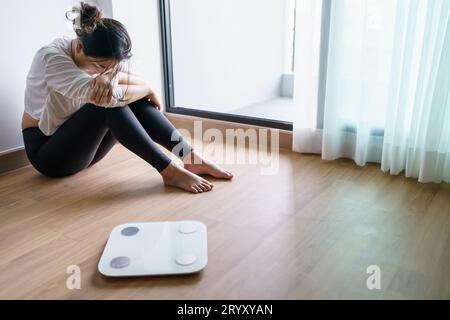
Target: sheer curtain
[[380, 91]]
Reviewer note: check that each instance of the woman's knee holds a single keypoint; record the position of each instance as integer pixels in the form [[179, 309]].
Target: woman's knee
[[91, 108], [118, 115], [144, 106], [90, 111], [117, 110], [141, 103]]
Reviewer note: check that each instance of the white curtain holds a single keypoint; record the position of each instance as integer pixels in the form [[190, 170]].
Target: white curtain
[[380, 92]]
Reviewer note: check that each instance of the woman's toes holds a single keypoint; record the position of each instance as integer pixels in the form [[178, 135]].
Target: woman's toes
[[220, 173], [205, 181], [206, 186], [228, 174], [183, 179], [193, 190]]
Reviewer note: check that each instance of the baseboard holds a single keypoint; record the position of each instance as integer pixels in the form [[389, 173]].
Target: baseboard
[[187, 122], [13, 160]]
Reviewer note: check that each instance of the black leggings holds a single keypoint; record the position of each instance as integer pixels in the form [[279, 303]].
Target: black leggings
[[89, 134]]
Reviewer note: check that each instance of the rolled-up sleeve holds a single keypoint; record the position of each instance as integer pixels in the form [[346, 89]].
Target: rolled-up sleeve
[[63, 76]]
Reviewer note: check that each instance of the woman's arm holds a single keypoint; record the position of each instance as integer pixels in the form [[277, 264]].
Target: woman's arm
[[130, 91], [138, 87], [129, 78], [134, 92], [63, 76]]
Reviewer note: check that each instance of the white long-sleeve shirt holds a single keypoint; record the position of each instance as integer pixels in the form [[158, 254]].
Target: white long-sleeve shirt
[[56, 88]]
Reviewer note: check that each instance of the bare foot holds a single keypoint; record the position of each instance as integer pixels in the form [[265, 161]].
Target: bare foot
[[196, 164], [176, 176]]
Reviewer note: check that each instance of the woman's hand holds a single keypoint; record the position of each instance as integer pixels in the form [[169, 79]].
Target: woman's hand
[[151, 97], [102, 91]]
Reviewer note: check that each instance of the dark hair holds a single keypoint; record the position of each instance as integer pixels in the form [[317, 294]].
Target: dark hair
[[101, 37]]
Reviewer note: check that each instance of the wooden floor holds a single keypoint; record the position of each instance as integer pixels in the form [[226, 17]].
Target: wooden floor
[[309, 232]]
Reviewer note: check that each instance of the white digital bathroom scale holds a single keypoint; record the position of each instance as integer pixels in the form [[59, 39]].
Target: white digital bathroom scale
[[155, 248]]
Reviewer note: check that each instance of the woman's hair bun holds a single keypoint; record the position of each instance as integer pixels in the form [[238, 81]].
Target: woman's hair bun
[[85, 18]]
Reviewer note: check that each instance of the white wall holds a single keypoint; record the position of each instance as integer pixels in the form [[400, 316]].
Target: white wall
[[227, 53], [25, 27]]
